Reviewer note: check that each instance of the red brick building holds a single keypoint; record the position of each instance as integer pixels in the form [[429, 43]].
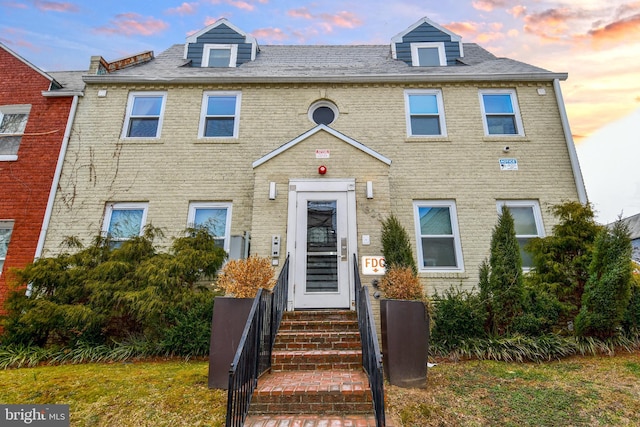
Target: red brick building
[[36, 114]]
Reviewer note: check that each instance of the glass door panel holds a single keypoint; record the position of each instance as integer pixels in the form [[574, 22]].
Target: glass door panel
[[322, 246]]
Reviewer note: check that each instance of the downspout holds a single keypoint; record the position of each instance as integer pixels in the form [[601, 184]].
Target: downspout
[[573, 155], [56, 178]]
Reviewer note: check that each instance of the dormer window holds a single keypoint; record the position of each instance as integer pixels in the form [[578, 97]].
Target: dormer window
[[219, 55], [428, 54], [427, 44]]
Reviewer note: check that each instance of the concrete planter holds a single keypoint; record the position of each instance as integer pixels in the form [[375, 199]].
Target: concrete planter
[[405, 342], [228, 321]]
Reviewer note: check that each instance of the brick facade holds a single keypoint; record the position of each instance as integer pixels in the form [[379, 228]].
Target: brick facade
[[25, 183], [177, 168]]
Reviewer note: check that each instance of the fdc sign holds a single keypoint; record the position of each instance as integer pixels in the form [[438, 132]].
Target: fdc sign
[[373, 265]]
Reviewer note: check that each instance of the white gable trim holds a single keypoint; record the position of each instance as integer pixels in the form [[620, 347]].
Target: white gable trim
[[398, 37], [313, 131]]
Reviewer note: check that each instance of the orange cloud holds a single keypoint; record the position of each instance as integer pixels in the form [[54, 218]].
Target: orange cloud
[[342, 19], [552, 24], [489, 37], [463, 28], [488, 5], [243, 5], [54, 6], [240, 4], [622, 29], [303, 12], [132, 24], [270, 34], [517, 11], [184, 9]]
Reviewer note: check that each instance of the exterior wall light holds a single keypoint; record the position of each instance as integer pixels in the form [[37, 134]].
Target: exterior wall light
[[273, 192], [369, 189]]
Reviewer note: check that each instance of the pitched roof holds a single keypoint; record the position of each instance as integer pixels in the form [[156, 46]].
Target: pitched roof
[[317, 63], [70, 81], [312, 132], [633, 224]]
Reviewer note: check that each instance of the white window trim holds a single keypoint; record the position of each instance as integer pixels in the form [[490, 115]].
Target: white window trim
[[440, 103], [415, 58], [13, 109], [203, 113], [7, 225], [323, 103], [537, 215], [206, 52], [451, 204], [127, 119], [514, 104], [124, 206], [213, 205]]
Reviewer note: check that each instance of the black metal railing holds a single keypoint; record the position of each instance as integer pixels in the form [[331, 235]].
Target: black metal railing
[[371, 356], [253, 356]]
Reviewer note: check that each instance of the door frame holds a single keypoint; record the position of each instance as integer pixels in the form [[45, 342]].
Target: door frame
[[347, 185]]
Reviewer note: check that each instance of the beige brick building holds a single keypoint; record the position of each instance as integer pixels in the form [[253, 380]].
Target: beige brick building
[[303, 150]]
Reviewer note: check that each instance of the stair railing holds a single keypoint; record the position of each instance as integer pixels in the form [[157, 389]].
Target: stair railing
[[371, 356], [253, 356]]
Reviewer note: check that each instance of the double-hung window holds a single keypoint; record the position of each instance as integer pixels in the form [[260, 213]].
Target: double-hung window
[[13, 120], [500, 112], [6, 227], [425, 113], [123, 221], [220, 115], [215, 217], [428, 54], [145, 111], [438, 237], [219, 55], [527, 220]]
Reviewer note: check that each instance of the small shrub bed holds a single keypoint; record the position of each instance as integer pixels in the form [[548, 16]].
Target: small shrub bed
[[106, 303]]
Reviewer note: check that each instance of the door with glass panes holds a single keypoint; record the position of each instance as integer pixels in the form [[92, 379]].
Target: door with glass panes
[[321, 272]]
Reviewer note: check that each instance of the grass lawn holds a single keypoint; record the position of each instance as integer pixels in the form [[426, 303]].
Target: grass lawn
[[578, 391]]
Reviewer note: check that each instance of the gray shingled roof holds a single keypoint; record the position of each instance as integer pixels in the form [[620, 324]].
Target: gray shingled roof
[[288, 63], [71, 81], [633, 223]]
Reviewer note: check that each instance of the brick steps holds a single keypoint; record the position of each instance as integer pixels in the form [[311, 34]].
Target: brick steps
[[311, 420], [308, 360], [313, 392], [316, 368], [317, 340]]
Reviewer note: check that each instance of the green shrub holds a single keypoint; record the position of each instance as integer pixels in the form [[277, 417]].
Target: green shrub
[[541, 312], [396, 246], [501, 283], [607, 292], [98, 295], [458, 315], [631, 318], [561, 260], [189, 328]]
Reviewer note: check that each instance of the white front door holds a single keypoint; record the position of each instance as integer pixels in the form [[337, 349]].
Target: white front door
[[323, 247]]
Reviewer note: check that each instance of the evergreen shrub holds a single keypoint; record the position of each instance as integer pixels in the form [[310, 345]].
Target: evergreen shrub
[[608, 290], [458, 315]]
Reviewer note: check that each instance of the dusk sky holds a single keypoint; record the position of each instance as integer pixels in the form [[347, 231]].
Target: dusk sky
[[597, 42]]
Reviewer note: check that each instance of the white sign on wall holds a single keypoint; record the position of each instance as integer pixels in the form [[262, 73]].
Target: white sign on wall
[[323, 153], [508, 164], [373, 265]]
